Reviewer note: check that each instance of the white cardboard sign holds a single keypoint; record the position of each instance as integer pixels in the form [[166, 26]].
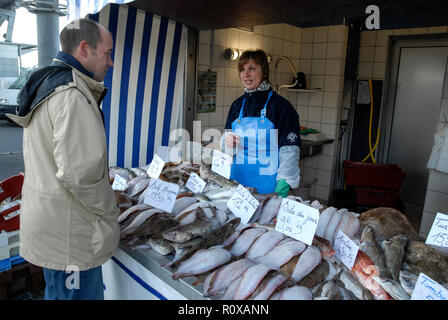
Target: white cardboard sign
[[345, 249], [297, 220], [428, 289], [222, 163], [156, 167], [438, 235], [119, 183], [161, 194], [195, 183], [242, 204]]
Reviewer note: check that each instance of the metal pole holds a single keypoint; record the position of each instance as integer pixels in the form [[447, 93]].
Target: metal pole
[[47, 19]]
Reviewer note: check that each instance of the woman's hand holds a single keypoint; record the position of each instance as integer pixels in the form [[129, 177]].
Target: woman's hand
[[232, 140]]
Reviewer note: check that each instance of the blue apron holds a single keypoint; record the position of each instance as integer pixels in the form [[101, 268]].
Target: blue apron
[[256, 162]]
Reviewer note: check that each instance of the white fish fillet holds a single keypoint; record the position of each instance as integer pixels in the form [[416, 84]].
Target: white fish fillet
[[270, 210], [182, 203], [245, 240], [223, 277], [202, 261], [282, 253], [250, 281], [138, 207], [293, 293], [309, 259], [264, 244], [349, 225], [324, 217], [332, 225], [139, 220], [270, 287]]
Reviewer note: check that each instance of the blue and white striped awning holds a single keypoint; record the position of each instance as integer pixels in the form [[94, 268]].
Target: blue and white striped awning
[[146, 84]]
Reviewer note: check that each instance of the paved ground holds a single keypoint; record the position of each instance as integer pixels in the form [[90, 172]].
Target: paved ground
[[11, 157]]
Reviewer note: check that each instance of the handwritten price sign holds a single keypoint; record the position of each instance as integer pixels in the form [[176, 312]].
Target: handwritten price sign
[[156, 166], [297, 220], [438, 235], [242, 204], [345, 249], [119, 183], [161, 195], [428, 289], [221, 163], [195, 183]]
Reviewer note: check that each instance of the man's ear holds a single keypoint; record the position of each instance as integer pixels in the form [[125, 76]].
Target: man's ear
[[83, 48]]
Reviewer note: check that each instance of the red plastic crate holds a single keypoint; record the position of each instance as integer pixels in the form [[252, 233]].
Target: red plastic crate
[[373, 175], [377, 197], [12, 187]]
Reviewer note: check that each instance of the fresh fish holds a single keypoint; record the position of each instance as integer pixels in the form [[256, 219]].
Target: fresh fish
[[139, 172], [201, 197], [393, 288], [202, 261], [352, 284], [264, 243], [272, 282], [139, 220], [123, 172], [256, 215], [308, 260], [223, 182], [282, 253], [324, 218], [364, 269], [220, 194], [349, 225], [270, 210], [200, 227], [372, 249], [329, 290], [332, 225], [408, 281], [181, 203], [293, 293], [132, 210], [245, 240], [160, 245], [137, 185], [123, 200], [394, 250], [223, 277], [316, 276], [215, 238], [231, 290], [324, 246], [250, 281]]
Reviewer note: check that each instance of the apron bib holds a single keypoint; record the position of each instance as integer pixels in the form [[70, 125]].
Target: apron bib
[[256, 162]]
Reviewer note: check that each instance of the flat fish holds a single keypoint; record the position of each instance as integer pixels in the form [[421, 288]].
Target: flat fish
[[182, 233], [332, 225], [352, 284], [139, 220], [393, 288], [182, 203], [160, 245], [293, 293], [394, 250], [202, 261], [231, 290], [264, 243], [223, 277], [132, 210], [273, 281], [349, 225], [318, 274], [282, 253], [324, 218], [308, 260], [245, 240], [371, 248], [140, 184], [250, 281], [270, 210]]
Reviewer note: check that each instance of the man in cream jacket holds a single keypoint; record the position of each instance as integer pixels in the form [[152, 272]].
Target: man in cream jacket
[[68, 220]]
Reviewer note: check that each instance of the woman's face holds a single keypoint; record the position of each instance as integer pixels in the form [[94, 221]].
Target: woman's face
[[251, 75]]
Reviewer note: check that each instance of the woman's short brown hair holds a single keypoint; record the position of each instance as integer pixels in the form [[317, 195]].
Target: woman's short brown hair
[[259, 56]]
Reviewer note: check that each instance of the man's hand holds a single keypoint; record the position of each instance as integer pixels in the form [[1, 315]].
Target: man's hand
[[232, 140]]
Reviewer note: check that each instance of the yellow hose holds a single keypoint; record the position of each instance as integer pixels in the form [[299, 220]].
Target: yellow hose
[[370, 128]]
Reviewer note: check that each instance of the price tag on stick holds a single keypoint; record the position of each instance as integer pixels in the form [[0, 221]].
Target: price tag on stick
[[438, 235], [428, 289], [195, 183], [156, 167], [345, 249], [161, 194], [119, 183], [242, 204], [297, 220], [222, 163]]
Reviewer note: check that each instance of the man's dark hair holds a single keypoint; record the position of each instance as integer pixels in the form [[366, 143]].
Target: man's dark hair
[[77, 31]]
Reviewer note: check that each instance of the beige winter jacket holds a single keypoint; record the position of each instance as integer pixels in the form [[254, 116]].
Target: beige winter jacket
[[69, 212]]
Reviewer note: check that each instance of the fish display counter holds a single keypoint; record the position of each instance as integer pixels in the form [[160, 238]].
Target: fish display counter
[[199, 248]]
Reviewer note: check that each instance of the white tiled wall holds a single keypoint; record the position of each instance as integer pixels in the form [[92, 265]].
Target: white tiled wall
[[318, 52], [372, 64]]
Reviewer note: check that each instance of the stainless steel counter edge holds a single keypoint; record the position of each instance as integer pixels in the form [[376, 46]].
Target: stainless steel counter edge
[[155, 262]]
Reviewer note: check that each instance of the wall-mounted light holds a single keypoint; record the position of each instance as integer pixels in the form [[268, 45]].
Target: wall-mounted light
[[231, 54]]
